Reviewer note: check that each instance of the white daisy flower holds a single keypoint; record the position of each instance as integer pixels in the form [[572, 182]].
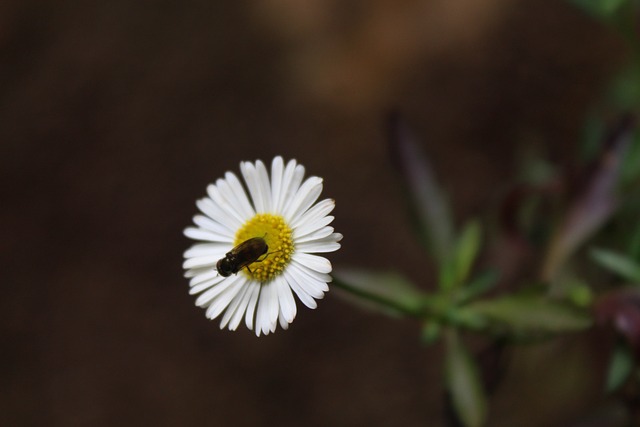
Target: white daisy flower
[[254, 251]]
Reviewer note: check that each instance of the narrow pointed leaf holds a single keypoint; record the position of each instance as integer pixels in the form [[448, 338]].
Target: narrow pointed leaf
[[464, 384], [467, 249], [386, 292], [620, 368], [531, 314], [426, 198], [456, 269], [618, 263], [595, 203], [477, 286]]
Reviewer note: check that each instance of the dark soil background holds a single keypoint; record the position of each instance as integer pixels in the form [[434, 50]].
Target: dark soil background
[[115, 115]]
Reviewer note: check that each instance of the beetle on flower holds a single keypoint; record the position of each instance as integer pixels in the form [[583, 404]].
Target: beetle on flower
[[281, 210]]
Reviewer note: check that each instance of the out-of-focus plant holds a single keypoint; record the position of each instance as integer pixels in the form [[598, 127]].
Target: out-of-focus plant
[[584, 229]]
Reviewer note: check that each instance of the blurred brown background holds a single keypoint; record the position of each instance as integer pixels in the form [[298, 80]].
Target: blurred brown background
[[114, 116]]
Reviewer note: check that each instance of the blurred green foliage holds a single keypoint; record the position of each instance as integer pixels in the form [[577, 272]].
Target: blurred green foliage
[[568, 223]]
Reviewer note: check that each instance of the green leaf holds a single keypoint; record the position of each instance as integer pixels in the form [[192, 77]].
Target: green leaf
[[386, 292], [427, 200], [463, 383], [456, 271], [595, 204], [580, 295], [624, 91], [633, 247], [431, 331], [618, 263], [447, 275], [600, 8], [476, 287], [620, 367], [531, 314]]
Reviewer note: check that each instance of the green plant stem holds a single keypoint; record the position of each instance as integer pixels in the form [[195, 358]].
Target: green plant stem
[[416, 309], [440, 308]]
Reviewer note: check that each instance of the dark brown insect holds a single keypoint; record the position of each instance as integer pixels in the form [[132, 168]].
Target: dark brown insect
[[241, 256]]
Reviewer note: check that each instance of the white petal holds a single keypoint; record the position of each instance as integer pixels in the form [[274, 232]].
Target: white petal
[[242, 307], [322, 277], [232, 200], [265, 302], [214, 227], [234, 306], [213, 211], [313, 285], [240, 193], [265, 186], [200, 249], [318, 246], [316, 235], [285, 298], [200, 261], [277, 170], [251, 178], [251, 306], [193, 272], [280, 189], [228, 207], [314, 262], [316, 212], [261, 310], [205, 235], [311, 226], [205, 284], [209, 274], [284, 324], [292, 187], [205, 298], [222, 301], [274, 306], [302, 294], [305, 197]]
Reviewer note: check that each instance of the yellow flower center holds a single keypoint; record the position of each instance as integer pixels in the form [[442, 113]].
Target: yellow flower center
[[279, 238]]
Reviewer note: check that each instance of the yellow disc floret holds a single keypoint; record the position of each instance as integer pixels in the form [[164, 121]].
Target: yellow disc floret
[[278, 236]]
